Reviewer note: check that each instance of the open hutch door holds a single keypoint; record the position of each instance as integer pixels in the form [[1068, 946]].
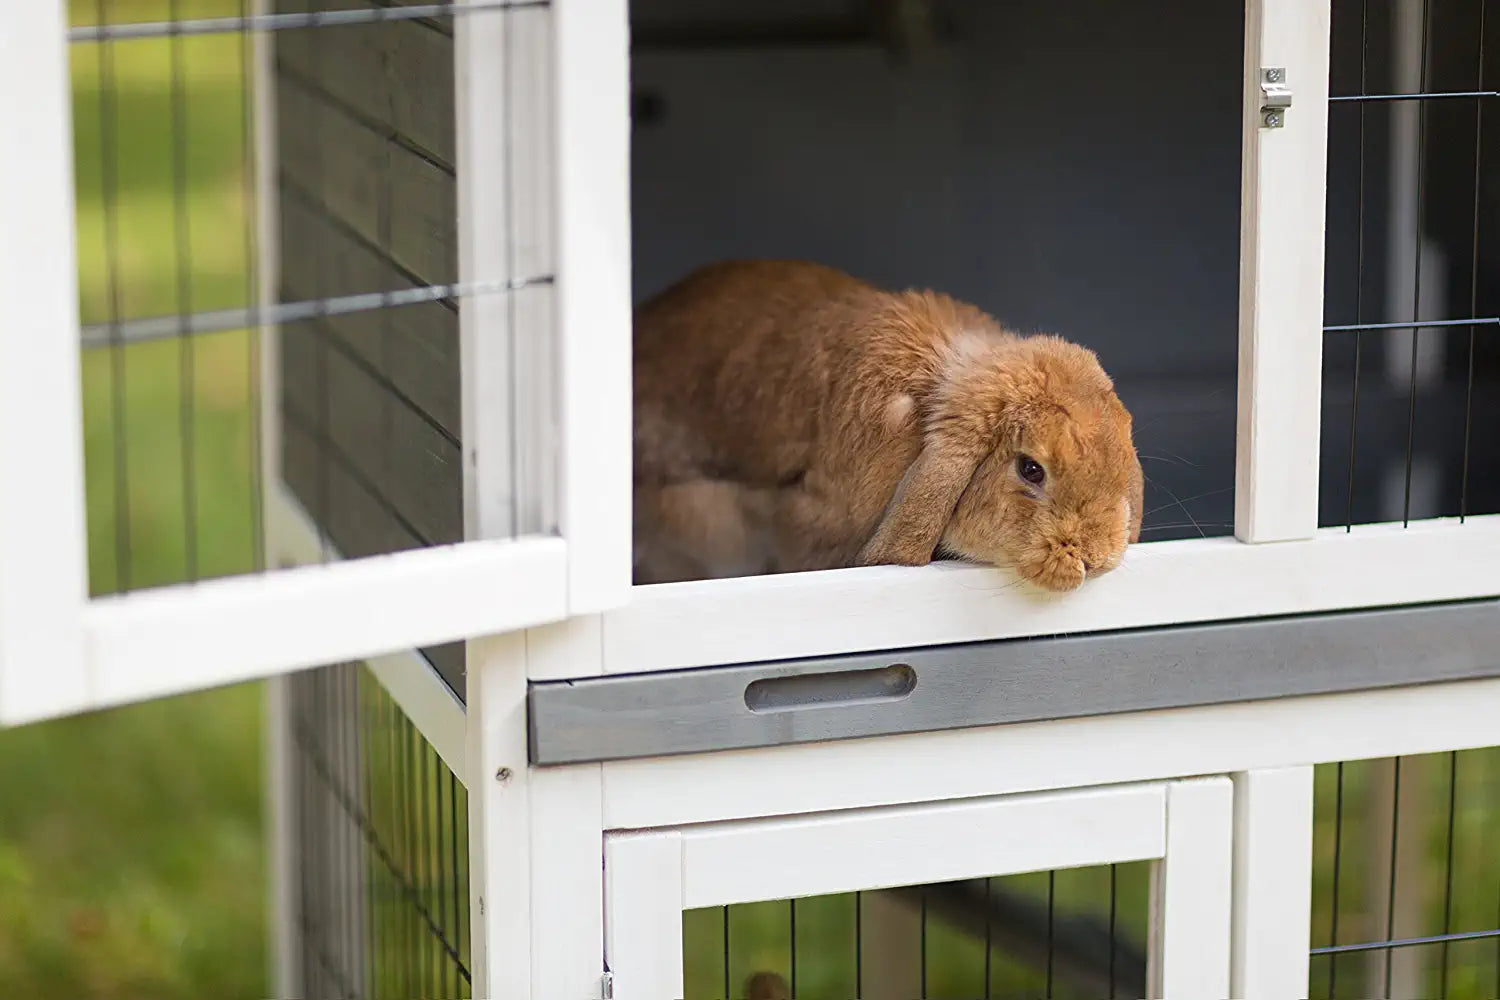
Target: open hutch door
[[434, 305]]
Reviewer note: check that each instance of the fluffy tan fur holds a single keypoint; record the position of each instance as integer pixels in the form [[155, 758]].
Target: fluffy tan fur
[[790, 417]]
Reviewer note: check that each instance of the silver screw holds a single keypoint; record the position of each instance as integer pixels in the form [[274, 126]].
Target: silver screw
[[1273, 119], [502, 775], [1273, 75]]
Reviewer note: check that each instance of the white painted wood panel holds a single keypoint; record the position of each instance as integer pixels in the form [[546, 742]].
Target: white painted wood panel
[[1273, 832], [592, 103], [183, 638], [911, 845], [1195, 891], [1283, 195], [43, 562], [643, 914], [1036, 756], [1161, 583]]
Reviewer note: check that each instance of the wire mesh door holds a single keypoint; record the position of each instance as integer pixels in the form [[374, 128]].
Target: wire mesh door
[[317, 245], [826, 906]]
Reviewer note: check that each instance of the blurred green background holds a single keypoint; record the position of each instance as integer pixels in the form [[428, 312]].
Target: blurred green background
[[131, 858]]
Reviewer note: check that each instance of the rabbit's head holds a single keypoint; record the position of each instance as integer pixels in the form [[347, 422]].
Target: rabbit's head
[[1027, 461]]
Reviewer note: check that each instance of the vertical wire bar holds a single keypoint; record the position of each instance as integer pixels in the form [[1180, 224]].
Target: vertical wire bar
[[1416, 305], [314, 847], [728, 994], [1359, 267], [508, 124], [110, 196], [314, 328], [792, 922], [444, 868], [424, 854], [409, 866], [183, 238], [1390, 903], [1463, 491], [859, 945], [1114, 945], [369, 732], [924, 943], [351, 822], [342, 828], [460, 941], [387, 834], [377, 828], [299, 795], [1338, 851], [1448, 873], [1051, 924], [251, 197], [989, 937], [384, 215], [393, 849]]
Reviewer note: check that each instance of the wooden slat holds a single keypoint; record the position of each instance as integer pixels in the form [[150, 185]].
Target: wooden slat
[[404, 457], [398, 74], [415, 347], [399, 456], [356, 173]]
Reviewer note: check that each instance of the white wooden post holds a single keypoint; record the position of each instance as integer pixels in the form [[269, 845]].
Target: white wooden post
[[567, 836], [1283, 194], [643, 880], [499, 827], [1192, 892], [592, 73], [43, 557], [1273, 817]]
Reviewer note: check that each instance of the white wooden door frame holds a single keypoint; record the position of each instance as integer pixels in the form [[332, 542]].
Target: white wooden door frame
[[61, 652], [651, 877]]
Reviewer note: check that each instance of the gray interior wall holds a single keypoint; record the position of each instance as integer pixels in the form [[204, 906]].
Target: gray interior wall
[[1072, 166]]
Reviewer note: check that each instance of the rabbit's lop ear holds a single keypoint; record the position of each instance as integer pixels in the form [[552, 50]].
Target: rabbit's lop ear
[[921, 507]]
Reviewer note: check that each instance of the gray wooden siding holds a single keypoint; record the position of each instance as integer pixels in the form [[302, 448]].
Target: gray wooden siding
[[371, 400]]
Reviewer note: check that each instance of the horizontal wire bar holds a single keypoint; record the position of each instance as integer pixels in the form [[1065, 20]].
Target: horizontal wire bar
[[1340, 949], [1436, 95], [132, 331], [1418, 325], [287, 22]]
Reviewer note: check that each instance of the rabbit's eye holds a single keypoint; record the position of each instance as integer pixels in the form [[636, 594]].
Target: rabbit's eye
[[1028, 469]]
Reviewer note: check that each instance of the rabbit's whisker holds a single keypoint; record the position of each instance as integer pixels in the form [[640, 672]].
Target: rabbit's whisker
[[1178, 503]]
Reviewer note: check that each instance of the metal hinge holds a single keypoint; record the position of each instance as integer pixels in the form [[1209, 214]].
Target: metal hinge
[[1276, 96], [607, 986]]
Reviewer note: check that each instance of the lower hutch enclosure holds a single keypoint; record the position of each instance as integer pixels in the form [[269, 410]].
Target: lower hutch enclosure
[[1260, 760]]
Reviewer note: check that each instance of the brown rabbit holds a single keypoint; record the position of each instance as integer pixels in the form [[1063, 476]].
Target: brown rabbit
[[789, 417]]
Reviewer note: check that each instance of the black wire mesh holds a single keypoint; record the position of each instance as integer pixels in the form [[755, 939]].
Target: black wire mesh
[[381, 849], [1406, 888], [1073, 933], [1412, 297]]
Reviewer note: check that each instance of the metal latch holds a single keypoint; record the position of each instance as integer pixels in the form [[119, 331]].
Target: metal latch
[[607, 986], [1276, 96]]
